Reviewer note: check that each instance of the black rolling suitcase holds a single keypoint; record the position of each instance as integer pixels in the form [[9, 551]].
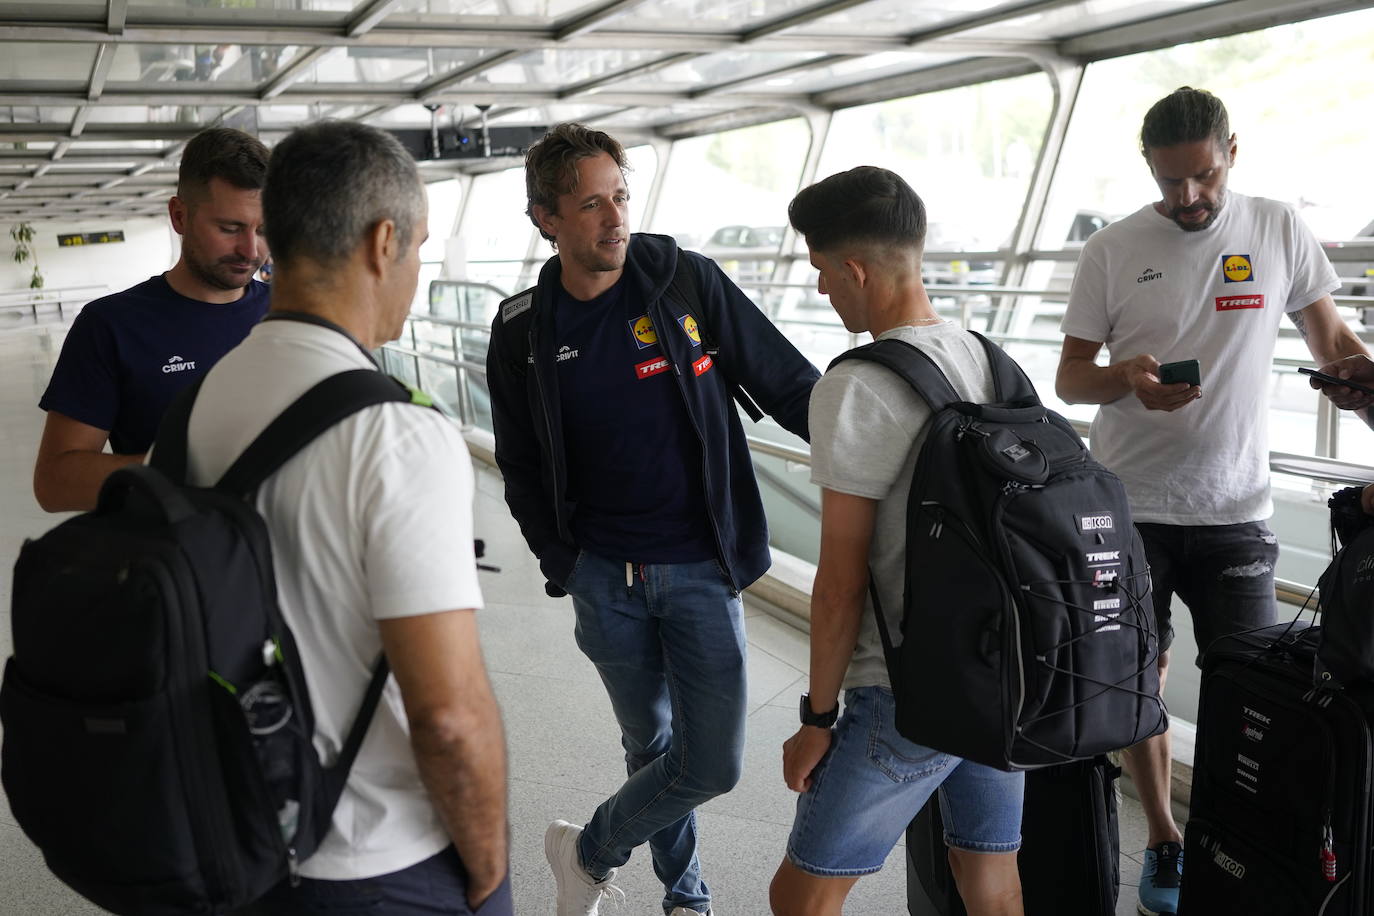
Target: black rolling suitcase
[[1070, 848], [1280, 819]]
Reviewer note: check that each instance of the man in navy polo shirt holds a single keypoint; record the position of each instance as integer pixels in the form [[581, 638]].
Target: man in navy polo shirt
[[627, 468], [129, 354]]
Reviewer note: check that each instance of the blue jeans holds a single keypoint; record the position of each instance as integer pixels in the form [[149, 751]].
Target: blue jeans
[[1224, 573], [669, 647], [872, 782], [435, 887]]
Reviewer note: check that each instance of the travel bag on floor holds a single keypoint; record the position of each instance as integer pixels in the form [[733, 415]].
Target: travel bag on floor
[[1070, 846], [158, 737], [1281, 803]]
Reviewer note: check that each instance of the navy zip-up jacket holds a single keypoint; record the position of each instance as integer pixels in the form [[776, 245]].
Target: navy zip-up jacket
[[753, 354]]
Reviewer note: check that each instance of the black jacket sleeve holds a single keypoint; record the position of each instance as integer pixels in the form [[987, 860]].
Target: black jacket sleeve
[[753, 352], [519, 455]]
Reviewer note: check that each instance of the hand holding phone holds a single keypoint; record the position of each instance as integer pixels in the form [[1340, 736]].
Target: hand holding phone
[[1185, 370], [1333, 380]]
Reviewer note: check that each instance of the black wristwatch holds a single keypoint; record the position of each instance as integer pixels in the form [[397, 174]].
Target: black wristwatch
[[818, 719]]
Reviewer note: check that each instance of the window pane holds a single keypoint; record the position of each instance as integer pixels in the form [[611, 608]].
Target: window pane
[[1292, 93], [495, 229], [444, 198], [732, 182]]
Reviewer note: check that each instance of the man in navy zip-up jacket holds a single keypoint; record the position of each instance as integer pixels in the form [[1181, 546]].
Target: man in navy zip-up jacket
[[627, 469]]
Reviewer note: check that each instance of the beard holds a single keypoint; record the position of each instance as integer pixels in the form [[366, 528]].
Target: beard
[[1212, 211], [227, 273]]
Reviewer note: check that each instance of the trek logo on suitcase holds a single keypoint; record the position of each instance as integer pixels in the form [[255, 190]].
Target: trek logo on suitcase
[[1027, 604], [158, 736], [1281, 804]]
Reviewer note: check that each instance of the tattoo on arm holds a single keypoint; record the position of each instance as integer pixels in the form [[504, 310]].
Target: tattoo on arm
[[1300, 322]]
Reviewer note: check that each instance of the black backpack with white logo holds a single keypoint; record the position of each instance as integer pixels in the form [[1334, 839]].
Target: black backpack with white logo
[[1028, 634], [158, 737]]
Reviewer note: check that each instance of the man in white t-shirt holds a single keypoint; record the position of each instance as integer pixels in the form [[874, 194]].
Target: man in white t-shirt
[[865, 229], [371, 528], [1202, 274]]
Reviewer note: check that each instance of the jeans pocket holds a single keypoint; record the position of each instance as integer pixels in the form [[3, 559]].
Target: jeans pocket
[[897, 758], [570, 580]]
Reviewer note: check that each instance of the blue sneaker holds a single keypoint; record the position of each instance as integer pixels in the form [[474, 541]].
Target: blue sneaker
[[1159, 880]]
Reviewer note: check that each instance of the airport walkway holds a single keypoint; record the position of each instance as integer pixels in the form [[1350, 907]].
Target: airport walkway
[[564, 747]]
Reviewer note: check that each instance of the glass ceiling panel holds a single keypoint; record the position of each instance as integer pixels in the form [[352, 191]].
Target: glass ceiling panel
[[410, 11], [1086, 17], [239, 7], [677, 14], [559, 67], [395, 66], [547, 115], [46, 61], [847, 73], [894, 17], [224, 64], [724, 67]]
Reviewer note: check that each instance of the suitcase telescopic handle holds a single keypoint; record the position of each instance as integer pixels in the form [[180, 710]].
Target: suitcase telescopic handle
[[163, 494]]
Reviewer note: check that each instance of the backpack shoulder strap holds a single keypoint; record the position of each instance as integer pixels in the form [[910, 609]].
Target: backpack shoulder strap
[[1009, 381], [324, 405], [915, 367], [683, 289], [169, 454]]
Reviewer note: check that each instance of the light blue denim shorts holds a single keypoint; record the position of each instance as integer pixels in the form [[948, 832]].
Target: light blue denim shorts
[[872, 782]]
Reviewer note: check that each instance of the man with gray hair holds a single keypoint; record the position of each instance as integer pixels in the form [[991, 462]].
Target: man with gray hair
[[1200, 277], [371, 528]]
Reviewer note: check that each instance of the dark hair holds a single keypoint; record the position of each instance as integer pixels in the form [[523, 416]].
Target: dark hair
[[1185, 115], [330, 183], [551, 164], [863, 206], [224, 153]]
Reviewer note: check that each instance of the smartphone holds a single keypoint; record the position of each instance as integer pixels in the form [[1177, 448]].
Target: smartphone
[[1332, 380], [1185, 370]]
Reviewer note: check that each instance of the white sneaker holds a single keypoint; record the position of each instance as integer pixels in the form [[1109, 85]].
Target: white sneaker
[[683, 911], [578, 894]]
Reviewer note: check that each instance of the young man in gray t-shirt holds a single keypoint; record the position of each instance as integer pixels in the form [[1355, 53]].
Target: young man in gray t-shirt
[[860, 781]]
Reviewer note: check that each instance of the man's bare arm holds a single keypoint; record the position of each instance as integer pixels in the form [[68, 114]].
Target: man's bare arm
[[72, 464], [1080, 380], [1338, 351], [456, 733]]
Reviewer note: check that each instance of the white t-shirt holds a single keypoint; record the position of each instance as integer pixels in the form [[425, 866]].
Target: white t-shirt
[[1144, 285], [372, 520], [867, 429]]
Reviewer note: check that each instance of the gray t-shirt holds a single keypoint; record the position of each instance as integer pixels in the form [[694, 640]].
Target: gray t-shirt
[[867, 428]]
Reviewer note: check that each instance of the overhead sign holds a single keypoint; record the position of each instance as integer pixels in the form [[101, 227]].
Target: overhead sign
[[90, 238]]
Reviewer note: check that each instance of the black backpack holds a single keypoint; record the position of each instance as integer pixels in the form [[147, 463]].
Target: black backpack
[[157, 730], [1028, 633], [1345, 649]]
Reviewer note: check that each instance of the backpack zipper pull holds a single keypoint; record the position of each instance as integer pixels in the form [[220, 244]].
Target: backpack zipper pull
[[938, 526], [293, 867]]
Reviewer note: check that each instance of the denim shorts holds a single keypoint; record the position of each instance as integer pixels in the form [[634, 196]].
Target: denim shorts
[[872, 782]]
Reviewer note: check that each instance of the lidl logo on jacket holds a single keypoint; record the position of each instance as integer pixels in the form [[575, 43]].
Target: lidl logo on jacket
[[1236, 268]]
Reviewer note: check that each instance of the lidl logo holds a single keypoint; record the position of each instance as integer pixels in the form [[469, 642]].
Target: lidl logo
[[1236, 268], [643, 330], [689, 325]]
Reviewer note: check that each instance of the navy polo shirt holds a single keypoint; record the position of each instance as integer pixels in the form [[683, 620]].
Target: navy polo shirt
[[634, 459], [129, 354]]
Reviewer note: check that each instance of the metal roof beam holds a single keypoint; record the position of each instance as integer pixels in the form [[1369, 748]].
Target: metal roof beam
[[291, 72], [426, 91], [929, 79], [1214, 20], [116, 16], [368, 16], [800, 17], [100, 71], [638, 70], [591, 19], [828, 60], [989, 17], [78, 125]]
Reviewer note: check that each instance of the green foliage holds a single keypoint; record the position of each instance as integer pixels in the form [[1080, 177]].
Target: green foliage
[[24, 251]]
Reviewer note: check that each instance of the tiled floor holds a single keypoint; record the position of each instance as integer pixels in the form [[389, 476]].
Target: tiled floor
[[564, 748]]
